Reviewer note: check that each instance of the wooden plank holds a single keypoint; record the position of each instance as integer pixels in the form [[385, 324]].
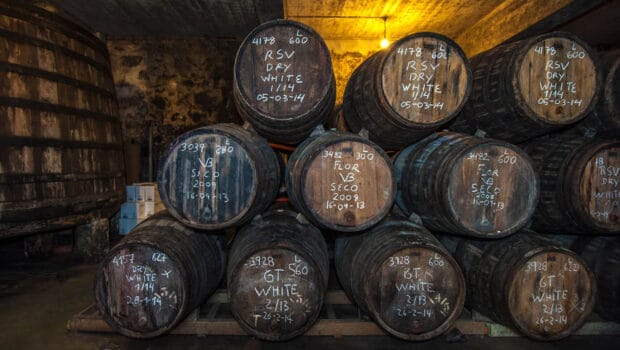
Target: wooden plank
[[87, 321]]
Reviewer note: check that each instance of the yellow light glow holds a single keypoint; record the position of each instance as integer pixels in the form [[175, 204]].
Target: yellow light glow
[[385, 43]]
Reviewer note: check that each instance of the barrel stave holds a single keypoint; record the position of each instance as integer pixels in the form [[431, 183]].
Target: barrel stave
[[156, 276], [543, 290], [520, 82], [403, 278], [277, 276], [218, 176]]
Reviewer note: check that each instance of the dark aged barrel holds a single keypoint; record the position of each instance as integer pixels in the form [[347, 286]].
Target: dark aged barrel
[[61, 163], [340, 181], [277, 275], [403, 277], [218, 176], [605, 117], [580, 184], [156, 275], [406, 92], [602, 254], [284, 83], [466, 185], [543, 290], [528, 88]]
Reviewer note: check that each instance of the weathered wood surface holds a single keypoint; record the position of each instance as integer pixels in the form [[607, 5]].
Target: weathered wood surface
[[544, 291], [604, 120], [284, 82], [602, 254], [466, 185], [218, 176], [61, 162], [580, 184], [158, 274], [531, 87], [402, 276], [277, 276], [340, 181], [406, 92]]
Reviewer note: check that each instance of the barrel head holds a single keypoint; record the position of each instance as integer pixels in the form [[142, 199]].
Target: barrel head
[[425, 79], [492, 190], [551, 294], [348, 185], [557, 80], [140, 291]]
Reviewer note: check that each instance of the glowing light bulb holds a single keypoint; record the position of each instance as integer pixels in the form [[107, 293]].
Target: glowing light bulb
[[385, 43]]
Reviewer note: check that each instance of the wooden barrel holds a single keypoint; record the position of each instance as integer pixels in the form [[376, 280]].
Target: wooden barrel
[[528, 88], [61, 163], [543, 290], [403, 278], [340, 181], [406, 92], [605, 117], [602, 254], [156, 276], [277, 275], [218, 176], [580, 184], [466, 185], [284, 83]]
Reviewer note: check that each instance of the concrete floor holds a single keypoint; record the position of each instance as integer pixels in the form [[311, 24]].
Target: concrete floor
[[37, 298]]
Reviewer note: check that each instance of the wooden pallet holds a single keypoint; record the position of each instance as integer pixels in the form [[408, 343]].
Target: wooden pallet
[[338, 318]]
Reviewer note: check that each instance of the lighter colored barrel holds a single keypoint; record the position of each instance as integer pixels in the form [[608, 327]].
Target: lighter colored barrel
[[403, 277], [284, 82], [61, 163], [277, 275], [406, 92], [218, 176], [340, 181], [531, 87]]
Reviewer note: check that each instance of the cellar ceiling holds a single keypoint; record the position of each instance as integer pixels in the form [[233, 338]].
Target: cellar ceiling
[[474, 24]]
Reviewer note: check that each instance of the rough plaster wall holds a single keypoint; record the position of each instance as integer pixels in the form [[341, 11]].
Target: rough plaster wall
[[172, 86]]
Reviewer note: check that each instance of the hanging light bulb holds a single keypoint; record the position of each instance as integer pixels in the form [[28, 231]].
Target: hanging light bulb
[[384, 42]]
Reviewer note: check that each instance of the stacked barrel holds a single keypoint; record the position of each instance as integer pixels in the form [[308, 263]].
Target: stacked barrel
[[61, 159], [473, 203]]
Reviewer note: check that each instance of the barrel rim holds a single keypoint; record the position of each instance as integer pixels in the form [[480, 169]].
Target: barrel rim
[[456, 311], [319, 280], [246, 43], [515, 225], [104, 306], [523, 107], [584, 155], [207, 130], [381, 91], [325, 141], [508, 290], [58, 22]]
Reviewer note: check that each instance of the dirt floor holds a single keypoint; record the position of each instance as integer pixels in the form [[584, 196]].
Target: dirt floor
[[38, 297]]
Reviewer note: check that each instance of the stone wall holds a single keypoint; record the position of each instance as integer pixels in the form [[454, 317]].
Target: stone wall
[[175, 85], [171, 86]]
